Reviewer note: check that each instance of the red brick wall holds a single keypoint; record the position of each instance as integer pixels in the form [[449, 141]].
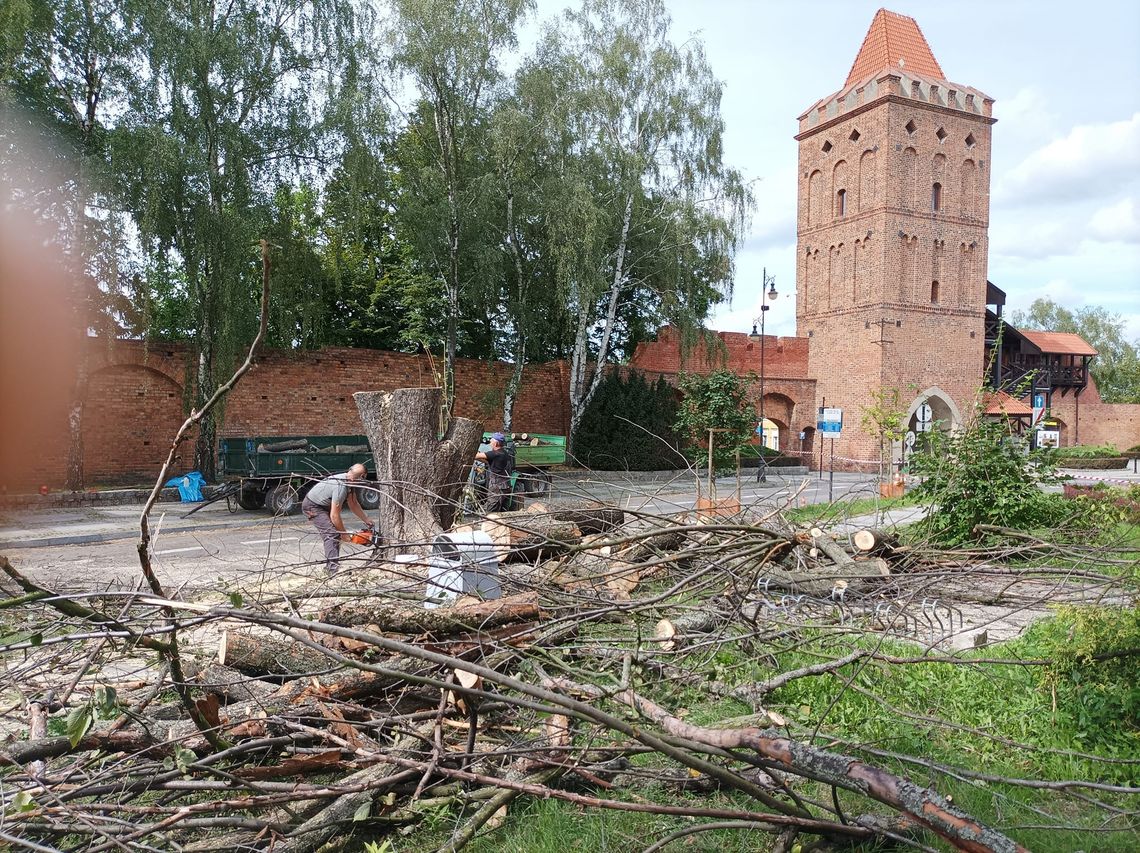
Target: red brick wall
[[1088, 420], [134, 404], [789, 395]]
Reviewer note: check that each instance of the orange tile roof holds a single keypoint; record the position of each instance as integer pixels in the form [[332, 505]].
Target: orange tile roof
[[893, 38], [1058, 343], [1002, 403]]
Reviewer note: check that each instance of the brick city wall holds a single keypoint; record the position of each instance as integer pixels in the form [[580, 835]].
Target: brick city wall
[[135, 404], [789, 395], [1086, 419]]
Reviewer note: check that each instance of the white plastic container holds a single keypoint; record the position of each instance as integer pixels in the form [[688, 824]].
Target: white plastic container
[[462, 564]]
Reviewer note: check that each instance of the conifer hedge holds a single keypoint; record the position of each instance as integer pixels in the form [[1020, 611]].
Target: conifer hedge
[[628, 426]]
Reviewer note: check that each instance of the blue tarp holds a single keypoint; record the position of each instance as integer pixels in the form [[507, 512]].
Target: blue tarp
[[189, 486]]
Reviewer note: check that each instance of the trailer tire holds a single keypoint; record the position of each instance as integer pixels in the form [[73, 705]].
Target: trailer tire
[[283, 499], [250, 497], [535, 484], [368, 496]]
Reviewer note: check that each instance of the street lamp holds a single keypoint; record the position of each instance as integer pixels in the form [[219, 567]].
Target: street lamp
[[767, 293]]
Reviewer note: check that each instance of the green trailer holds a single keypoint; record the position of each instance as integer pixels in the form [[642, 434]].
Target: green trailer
[[275, 472]]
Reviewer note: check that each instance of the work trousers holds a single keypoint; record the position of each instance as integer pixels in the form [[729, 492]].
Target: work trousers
[[498, 493], [319, 515]]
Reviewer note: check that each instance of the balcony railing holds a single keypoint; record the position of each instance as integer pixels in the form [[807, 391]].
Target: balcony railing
[[1014, 373]]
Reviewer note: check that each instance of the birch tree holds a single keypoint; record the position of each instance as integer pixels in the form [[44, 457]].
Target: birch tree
[[225, 109], [451, 51], [642, 167]]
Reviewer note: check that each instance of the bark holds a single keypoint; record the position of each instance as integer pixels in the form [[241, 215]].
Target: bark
[[515, 380], [529, 536], [53, 747], [830, 547], [227, 684], [421, 475], [440, 621], [589, 519], [922, 805], [671, 632], [259, 655]]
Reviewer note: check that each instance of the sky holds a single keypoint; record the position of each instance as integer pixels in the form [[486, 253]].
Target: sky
[[1065, 179]]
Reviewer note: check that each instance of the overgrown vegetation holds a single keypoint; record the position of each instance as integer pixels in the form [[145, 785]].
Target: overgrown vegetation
[[981, 475]]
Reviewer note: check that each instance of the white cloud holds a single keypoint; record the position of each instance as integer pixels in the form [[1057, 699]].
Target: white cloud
[[1116, 223], [1027, 115], [1091, 160], [1021, 237]]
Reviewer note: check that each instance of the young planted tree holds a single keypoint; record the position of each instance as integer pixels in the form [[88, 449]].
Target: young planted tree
[[717, 401], [883, 419]]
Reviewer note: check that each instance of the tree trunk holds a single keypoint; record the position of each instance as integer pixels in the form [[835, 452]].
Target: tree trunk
[[671, 632], [421, 476], [870, 541], [258, 656], [528, 535], [408, 620]]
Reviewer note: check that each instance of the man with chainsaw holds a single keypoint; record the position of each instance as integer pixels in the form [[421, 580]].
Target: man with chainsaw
[[500, 466], [322, 506]]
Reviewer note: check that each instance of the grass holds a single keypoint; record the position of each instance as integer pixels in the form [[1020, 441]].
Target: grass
[[841, 509], [1060, 713]]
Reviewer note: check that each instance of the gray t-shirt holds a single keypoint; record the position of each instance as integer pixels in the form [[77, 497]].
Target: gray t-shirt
[[330, 490]]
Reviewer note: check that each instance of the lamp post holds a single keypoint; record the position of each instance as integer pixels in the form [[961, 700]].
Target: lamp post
[[767, 293]]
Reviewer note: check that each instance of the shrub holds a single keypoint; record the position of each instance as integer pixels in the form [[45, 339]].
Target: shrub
[[628, 426], [1086, 451], [978, 476]]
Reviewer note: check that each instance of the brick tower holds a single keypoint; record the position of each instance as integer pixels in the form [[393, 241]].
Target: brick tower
[[892, 221]]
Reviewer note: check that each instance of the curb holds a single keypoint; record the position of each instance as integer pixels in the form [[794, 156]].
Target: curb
[[113, 535]]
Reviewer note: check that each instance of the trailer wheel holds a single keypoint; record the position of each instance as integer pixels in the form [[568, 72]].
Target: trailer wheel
[[283, 499], [536, 484], [250, 497], [368, 496]]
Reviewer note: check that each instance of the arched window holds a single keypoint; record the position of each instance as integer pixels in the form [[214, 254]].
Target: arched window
[[841, 203], [934, 293], [936, 197]]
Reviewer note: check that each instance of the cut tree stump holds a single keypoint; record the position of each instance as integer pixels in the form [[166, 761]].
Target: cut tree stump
[[266, 656], [421, 475]]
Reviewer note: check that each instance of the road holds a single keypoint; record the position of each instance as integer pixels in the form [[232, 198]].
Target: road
[[88, 548]]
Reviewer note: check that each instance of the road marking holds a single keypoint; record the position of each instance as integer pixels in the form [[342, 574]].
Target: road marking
[[180, 550], [271, 541]]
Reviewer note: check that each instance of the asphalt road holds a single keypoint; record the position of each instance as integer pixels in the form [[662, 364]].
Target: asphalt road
[[87, 548]]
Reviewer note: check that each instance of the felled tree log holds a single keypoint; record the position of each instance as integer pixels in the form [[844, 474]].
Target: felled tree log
[[227, 684], [588, 518], [269, 656], [671, 632], [439, 621], [52, 747], [529, 536], [422, 475], [869, 541], [828, 546]]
